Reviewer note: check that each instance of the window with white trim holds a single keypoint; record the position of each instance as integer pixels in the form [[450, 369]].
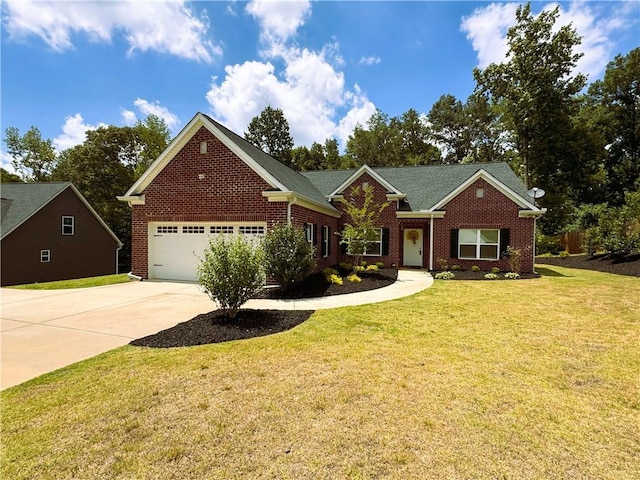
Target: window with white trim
[[226, 229], [68, 225], [45, 256], [326, 239], [373, 248], [193, 229], [478, 244], [309, 232]]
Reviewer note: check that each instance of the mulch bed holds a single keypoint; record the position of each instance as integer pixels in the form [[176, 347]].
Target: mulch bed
[[629, 265], [317, 286], [216, 327]]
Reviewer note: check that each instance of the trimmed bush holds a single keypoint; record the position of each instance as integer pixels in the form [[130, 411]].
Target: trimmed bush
[[564, 254], [379, 264], [475, 268], [231, 272], [495, 270], [455, 268], [490, 276], [446, 275], [345, 267], [512, 275], [335, 280], [288, 255], [353, 278], [372, 268]]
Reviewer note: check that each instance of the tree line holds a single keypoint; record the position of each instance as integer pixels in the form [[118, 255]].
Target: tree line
[[581, 145]]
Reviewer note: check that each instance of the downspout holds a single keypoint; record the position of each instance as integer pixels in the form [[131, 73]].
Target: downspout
[[533, 260], [117, 258], [291, 202], [431, 243]]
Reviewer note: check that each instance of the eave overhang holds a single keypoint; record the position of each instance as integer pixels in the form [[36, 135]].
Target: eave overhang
[[303, 201], [132, 199]]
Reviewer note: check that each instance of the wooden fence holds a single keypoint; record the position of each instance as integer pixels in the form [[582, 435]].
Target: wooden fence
[[572, 242]]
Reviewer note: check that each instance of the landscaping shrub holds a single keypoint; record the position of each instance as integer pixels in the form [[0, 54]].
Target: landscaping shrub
[[446, 275], [563, 254], [546, 244], [288, 254], [490, 276], [345, 267], [353, 278], [231, 272], [335, 280], [495, 270], [455, 268], [443, 263], [514, 255], [358, 268], [475, 268], [329, 272], [511, 275], [379, 264], [363, 263], [372, 268]]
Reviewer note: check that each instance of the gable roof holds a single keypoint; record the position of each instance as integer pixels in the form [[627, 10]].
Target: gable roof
[[21, 201], [427, 186], [275, 173]]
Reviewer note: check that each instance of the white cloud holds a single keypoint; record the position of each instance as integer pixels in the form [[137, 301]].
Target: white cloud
[[310, 89], [73, 132], [148, 108], [129, 117], [5, 162], [164, 26], [369, 61], [279, 20], [486, 28]]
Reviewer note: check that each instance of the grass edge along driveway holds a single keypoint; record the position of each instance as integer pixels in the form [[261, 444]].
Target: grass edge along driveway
[[523, 379]]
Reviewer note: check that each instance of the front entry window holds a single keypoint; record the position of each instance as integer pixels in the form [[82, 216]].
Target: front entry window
[[477, 244]]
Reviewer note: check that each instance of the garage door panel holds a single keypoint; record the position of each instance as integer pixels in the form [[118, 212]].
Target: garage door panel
[[175, 250]]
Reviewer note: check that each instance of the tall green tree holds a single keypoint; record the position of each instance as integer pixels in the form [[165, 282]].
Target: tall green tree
[[154, 135], [535, 92], [377, 145], [31, 155], [449, 128], [614, 106], [269, 131], [8, 177], [416, 148]]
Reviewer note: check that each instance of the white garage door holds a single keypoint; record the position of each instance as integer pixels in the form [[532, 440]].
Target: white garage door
[[175, 249]]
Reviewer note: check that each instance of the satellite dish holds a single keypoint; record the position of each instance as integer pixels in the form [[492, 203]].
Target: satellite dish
[[536, 192]]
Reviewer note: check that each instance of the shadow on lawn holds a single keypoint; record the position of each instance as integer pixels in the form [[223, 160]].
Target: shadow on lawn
[[547, 272]]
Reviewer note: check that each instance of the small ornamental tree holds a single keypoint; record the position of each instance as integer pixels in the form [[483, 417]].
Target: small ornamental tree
[[231, 272], [288, 254], [363, 218]]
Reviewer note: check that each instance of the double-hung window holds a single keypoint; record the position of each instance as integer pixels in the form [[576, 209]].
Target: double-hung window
[[478, 244], [68, 225], [374, 248], [45, 256], [326, 241]]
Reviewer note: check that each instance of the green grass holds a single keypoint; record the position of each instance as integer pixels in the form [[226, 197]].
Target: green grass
[[523, 379], [76, 283]]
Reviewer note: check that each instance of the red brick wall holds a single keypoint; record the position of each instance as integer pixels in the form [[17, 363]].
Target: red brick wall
[[493, 211], [301, 215], [388, 219], [229, 191]]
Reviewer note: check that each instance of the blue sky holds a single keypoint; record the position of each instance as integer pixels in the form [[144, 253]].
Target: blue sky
[[72, 66]]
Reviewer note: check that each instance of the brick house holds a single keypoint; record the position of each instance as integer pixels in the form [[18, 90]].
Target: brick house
[[50, 232], [210, 180]]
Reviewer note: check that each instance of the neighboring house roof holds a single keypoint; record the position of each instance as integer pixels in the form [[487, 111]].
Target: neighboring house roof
[[425, 186], [21, 201]]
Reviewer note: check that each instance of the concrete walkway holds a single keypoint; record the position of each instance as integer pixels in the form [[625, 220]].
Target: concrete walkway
[[43, 330]]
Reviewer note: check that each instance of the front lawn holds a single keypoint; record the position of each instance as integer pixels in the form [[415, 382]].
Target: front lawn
[[76, 283], [523, 379]]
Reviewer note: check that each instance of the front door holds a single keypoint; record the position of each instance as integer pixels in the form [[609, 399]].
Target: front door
[[412, 256]]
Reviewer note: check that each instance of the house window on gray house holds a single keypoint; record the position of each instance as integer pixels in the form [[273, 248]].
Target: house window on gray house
[[68, 225], [478, 244], [45, 256]]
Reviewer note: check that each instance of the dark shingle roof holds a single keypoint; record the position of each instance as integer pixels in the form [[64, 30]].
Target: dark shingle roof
[[292, 180], [424, 185], [22, 200]]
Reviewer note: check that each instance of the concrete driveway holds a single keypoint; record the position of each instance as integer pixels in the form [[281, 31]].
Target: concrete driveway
[[43, 330]]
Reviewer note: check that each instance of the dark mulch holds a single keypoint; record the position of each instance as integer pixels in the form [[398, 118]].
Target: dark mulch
[[317, 286], [469, 275], [216, 327], [629, 265]]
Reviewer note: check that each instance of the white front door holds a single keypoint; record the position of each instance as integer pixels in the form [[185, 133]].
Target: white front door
[[412, 256]]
